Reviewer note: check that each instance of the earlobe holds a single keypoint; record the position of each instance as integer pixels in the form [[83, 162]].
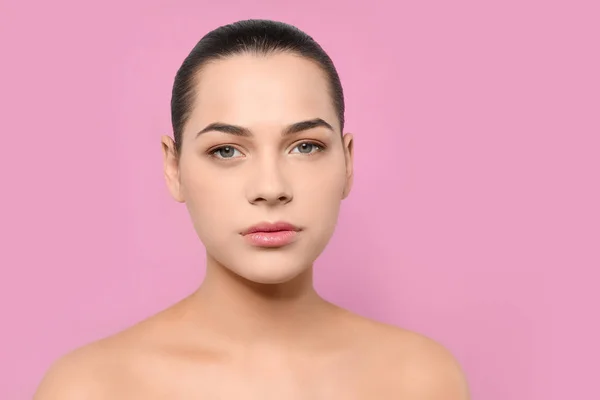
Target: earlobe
[[171, 168]]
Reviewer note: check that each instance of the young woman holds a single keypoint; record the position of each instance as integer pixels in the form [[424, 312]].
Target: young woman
[[259, 158]]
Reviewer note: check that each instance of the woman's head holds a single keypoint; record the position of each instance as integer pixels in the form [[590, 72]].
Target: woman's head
[[258, 116], [257, 37]]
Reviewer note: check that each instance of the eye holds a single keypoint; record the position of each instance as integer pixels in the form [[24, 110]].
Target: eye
[[307, 148], [225, 152]]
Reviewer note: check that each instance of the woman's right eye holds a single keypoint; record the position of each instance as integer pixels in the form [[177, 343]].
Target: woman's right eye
[[225, 152]]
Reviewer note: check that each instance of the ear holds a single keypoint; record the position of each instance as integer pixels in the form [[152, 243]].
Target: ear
[[171, 168], [348, 143]]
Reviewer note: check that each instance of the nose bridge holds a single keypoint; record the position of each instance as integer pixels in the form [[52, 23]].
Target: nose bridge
[[268, 181]]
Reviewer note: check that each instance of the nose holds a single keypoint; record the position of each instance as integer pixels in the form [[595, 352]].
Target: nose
[[269, 185]]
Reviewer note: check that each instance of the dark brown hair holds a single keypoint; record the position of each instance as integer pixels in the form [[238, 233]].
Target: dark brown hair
[[261, 37]]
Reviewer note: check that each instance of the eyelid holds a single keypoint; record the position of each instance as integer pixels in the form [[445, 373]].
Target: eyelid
[[321, 146], [211, 152]]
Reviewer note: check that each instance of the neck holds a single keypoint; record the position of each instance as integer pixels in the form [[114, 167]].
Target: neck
[[253, 314]]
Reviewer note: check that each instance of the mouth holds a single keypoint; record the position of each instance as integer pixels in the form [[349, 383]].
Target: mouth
[[267, 234], [271, 227]]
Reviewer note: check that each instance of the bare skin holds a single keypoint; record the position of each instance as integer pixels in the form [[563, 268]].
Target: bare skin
[[256, 328], [180, 354]]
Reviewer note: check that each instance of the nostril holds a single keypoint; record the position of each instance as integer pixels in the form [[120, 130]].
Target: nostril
[[282, 198], [285, 199]]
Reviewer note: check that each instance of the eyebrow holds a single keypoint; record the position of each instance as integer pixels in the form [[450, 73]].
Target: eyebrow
[[242, 131]]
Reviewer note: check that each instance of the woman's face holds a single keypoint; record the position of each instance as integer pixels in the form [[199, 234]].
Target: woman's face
[[262, 145]]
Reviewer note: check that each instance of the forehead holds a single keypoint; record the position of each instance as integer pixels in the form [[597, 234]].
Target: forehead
[[255, 91]]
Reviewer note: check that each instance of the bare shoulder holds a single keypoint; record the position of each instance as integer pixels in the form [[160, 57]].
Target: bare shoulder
[[113, 367], [96, 370], [425, 368], [82, 373], [412, 365]]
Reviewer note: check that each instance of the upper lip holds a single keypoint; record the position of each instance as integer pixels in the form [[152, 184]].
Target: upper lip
[[271, 227]]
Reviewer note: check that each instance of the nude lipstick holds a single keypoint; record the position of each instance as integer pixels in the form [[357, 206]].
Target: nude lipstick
[[266, 234]]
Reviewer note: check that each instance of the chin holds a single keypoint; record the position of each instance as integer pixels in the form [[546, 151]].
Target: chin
[[268, 273], [267, 266]]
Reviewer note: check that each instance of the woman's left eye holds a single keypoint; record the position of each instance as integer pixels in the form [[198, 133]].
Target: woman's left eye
[[307, 148]]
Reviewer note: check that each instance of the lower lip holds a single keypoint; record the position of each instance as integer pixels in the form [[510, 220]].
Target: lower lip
[[271, 239]]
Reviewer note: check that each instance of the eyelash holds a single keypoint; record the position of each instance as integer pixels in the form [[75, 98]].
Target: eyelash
[[320, 147]]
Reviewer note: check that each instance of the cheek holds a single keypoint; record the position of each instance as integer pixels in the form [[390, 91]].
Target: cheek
[[211, 203], [325, 181], [319, 196]]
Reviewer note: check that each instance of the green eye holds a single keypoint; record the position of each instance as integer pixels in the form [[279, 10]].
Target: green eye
[[225, 152], [307, 148]]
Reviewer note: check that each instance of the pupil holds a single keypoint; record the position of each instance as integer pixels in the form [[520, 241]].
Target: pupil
[[305, 147], [226, 152]]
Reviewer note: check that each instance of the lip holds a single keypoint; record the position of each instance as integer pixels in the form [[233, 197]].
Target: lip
[[271, 227], [268, 234]]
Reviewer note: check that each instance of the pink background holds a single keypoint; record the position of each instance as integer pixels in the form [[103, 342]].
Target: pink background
[[475, 215]]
